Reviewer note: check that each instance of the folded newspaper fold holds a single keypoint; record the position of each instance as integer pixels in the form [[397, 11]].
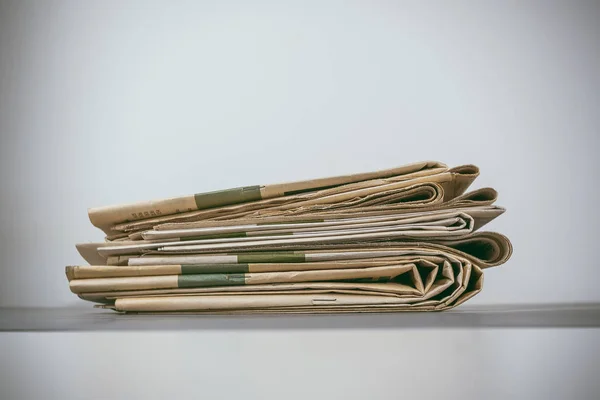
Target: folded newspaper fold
[[402, 239]]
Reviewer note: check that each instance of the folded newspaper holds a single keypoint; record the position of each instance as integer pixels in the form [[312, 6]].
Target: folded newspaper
[[402, 239]]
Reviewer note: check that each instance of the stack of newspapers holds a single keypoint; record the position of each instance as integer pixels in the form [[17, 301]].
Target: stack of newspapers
[[402, 239]]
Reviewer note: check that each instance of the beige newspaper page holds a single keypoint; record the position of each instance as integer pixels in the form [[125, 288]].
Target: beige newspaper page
[[106, 217]]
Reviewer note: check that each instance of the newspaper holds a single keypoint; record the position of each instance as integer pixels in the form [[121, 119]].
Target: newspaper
[[321, 192], [423, 278], [106, 217], [401, 239], [256, 234]]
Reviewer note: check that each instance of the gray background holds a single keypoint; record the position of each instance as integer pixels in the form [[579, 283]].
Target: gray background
[[359, 364], [110, 102]]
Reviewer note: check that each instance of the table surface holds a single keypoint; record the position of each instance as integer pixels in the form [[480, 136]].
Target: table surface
[[574, 315]]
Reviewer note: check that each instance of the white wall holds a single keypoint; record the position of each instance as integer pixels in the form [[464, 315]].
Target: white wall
[[110, 102]]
